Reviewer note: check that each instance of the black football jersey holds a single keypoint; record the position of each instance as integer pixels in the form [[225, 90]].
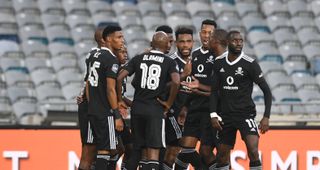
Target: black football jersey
[[235, 83], [102, 64], [182, 95], [85, 78], [152, 71], [202, 69]]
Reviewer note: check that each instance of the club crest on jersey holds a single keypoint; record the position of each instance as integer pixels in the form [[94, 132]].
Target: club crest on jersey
[[115, 68], [239, 71], [210, 60]]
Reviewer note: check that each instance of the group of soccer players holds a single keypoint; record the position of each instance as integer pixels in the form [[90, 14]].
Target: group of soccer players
[[181, 97]]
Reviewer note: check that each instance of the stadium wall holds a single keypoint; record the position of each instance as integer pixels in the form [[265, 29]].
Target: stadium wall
[[51, 149]]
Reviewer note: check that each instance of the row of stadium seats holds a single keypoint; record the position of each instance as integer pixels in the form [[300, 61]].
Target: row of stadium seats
[[43, 44]]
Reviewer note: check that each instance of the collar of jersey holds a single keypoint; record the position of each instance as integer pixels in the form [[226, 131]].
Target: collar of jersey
[[222, 55], [105, 48], [202, 51], [236, 60], [156, 51], [95, 48], [178, 56]]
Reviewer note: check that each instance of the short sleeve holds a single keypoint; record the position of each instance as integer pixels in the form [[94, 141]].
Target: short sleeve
[[173, 67], [112, 68], [256, 74], [130, 66]]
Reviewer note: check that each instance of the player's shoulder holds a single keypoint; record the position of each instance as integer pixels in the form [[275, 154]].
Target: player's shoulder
[[222, 56], [247, 58], [196, 51]]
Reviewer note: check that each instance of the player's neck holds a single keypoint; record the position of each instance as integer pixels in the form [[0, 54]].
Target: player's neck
[[220, 50], [185, 58], [233, 56]]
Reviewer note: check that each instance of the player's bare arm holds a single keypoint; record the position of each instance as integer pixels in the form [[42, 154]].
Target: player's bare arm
[[112, 98], [264, 123], [174, 88]]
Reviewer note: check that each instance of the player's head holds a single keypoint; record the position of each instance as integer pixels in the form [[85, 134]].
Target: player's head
[[218, 39], [235, 42], [160, 42], [207, 28], [122, 55], [98, 37], [113, 37], [184, 41], [168, 30]]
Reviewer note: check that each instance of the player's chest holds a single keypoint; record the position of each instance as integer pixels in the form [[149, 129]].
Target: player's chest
[[233, 73], [202, 66]]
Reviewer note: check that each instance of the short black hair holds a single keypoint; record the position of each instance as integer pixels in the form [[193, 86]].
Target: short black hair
[[183, 30], [209, 22], [165, 28], [231, 33], [110, 29], [221, 35]]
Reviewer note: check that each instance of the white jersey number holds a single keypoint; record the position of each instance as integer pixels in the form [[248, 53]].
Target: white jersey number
[[150, 76], [93, 75]]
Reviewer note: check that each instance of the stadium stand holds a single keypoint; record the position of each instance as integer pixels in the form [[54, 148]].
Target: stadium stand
[[43, 44]]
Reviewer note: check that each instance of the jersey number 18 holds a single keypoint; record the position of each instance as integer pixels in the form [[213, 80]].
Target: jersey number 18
[[150, 76]]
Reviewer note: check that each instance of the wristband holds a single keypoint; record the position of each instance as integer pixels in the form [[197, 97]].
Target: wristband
[[215, 115], [116, 113]]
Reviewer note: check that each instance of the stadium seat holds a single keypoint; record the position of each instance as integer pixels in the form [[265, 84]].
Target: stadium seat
[[82, 33], [300, 22], [63, 62], [8, 46], [49, 5], [145, 7], [257, 36], [312, 50], [126, 21], [82, 48], [278, 79], [303, 79], [170, 8], [52, 19], [104, 18], [297, 7], [308, 35], [246, 7], [25, 5], [276, 22], [137, 47], [72, 90], [134, 33], [21, 93], [35, 48], [10, 62], [49, 92], [291, 51], [229, 21], [197, 7], [18, 76], [6, 112], [57, 31], [315, 7], [174, 21], [270, 7], [285, 35], [309, 94], [122, 7], [27, 113], [152, 22], [74, 20], [57, 49], [37, 62], [74, 6], [25, 18], [34, 32], [268, 51], [69, 75], [43, 75], [97, 6], [255, 22], [270, 66], [220, 8], [295, 66]]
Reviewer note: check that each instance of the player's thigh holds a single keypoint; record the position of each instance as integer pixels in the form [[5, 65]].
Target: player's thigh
[[138, 126], [192, 125], [228, 134], [155, 132], [104, 132], [209, 134], [247, 126]]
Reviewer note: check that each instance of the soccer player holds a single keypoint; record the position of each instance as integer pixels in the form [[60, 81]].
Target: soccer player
[[184, 43], [152, 71], [88, 150], [168, 30], [197, 124], [102, 98], [234, 75]]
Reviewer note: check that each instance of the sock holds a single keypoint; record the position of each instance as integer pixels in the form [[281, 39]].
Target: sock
[[113, 162], [132, 162], [166, 166], [186, 156], [212, 165], [143, 164], [102, 161], [222, 167], [153, 165], [255, 165]]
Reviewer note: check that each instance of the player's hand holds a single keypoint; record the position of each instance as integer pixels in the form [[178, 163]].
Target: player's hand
[[264, 125], [182, 116], [165, 105], [216, 123], [187, 68], [80, 99], [194, 84], [123, 109], [119, 125], [124, 113]]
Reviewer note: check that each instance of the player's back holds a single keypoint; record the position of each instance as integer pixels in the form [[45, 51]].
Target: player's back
[[102, 64], [152, 72]]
